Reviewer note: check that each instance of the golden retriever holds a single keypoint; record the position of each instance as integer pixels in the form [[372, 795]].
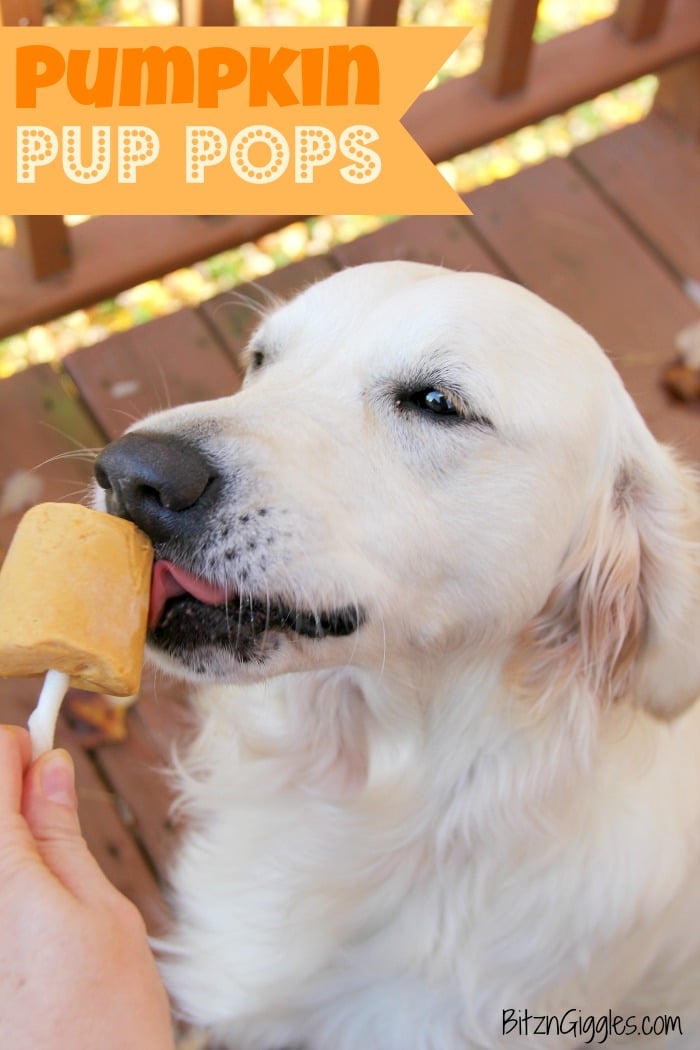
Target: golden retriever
[[437, 589]]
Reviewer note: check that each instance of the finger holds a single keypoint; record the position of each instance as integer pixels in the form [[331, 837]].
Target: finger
[[15, 751], [51, 810], [23, 742]]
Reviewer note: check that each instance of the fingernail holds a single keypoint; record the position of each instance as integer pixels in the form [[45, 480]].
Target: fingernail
[[58, 778]]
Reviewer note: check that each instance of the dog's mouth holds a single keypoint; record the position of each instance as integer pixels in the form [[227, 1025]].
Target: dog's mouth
[[190, 617]]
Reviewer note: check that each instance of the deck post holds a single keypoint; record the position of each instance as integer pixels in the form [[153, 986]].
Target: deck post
[[21, 12], [43, 243], [508, 46], [207, 13], [372, 12], [639, 19], [40, 240], [678, 95]]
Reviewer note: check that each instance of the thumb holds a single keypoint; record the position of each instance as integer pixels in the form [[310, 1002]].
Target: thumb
[[50, 808]]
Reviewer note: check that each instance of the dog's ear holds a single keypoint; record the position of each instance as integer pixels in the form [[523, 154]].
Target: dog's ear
[[624, 615]]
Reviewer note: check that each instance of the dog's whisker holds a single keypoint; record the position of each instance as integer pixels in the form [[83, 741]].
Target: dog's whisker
[[164, 380], [272, 299], [249, 302], [130, 416], [70, 438], [227, 614], [239, 626], [81, 495], [258, 308], [268, 608], [251, 616], [86, 455]]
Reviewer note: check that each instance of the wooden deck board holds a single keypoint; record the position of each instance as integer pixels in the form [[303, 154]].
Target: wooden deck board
[[662, 201], [554, 234], [445, 241], [41, 419], [111, 840], [167, 362], [607, 236], [163, 363], [136, 771], [140, 246]]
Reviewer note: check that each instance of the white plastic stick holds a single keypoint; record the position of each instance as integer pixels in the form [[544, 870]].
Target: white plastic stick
[[42, 721]]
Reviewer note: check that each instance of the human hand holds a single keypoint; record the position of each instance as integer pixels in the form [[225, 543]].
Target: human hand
[[76, 971]]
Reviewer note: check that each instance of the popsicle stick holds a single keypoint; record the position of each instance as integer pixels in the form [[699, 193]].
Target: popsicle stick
[[42, 721]]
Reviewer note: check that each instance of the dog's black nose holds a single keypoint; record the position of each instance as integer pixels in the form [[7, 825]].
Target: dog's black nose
[[164, 484]]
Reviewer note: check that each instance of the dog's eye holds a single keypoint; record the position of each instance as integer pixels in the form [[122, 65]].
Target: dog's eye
[[257, 360], [433, 401]]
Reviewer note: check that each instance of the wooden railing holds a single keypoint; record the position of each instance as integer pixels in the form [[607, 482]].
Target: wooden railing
[[53, 269]]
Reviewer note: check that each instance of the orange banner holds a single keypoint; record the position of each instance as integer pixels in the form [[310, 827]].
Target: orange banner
[[218, 121]]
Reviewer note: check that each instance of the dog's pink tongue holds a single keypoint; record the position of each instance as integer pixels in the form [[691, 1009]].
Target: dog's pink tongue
[[169, 581]]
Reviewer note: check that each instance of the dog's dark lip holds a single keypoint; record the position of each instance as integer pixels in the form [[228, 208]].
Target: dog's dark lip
[[243, 626], [269, 616]]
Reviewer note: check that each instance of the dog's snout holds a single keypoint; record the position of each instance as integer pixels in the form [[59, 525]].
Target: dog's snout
[[157, 481]]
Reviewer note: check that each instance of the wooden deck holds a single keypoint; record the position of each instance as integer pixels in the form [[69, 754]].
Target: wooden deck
[[610, 235]]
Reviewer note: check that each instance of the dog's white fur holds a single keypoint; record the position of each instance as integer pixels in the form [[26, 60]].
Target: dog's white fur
[[488, 797]]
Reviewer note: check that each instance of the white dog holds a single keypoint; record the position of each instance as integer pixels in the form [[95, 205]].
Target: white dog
[[440, 590]]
